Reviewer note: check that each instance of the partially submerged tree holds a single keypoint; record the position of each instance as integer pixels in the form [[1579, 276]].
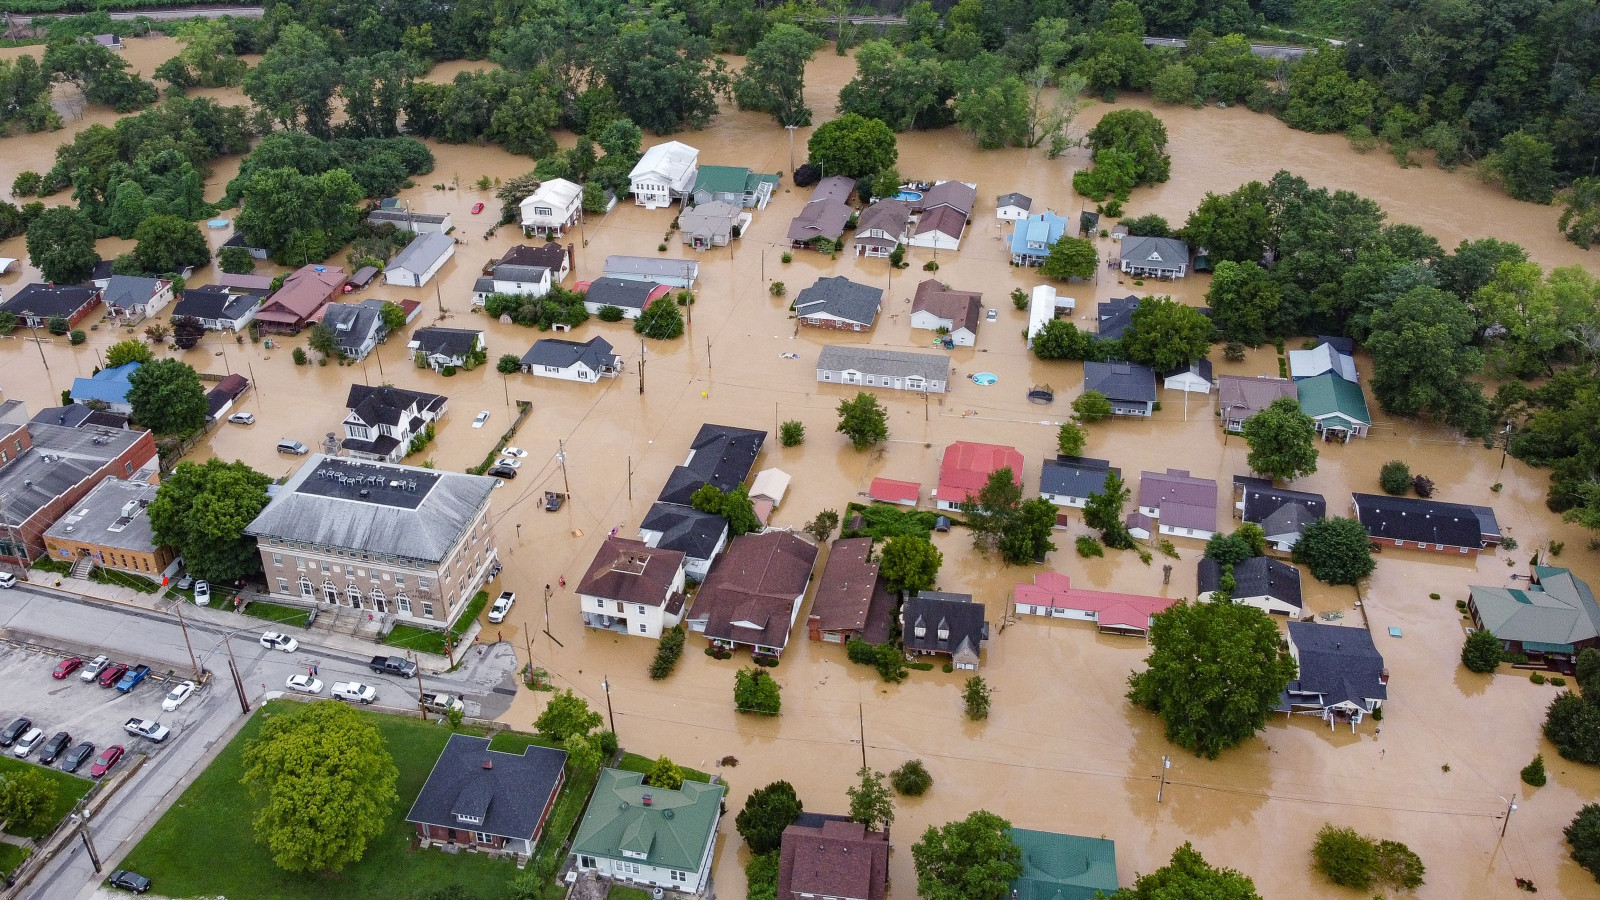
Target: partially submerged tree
[[1283, 441], [1189, 877], [863, 421], [167, 398], [970, 859], [767, 812], [910, 562], [1337, 550]]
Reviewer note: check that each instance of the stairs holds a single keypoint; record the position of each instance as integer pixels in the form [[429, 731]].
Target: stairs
[[82, 567]]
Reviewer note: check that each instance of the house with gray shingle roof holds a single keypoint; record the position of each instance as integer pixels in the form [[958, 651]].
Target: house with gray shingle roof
[[1154, 257], [1069, 480], [481, 799], [357, 326], [1013, 206], [837, 302], [1555, 616], [420, 260], [1130, 387], [858, 364], [1280, 512], [1341, 673], [1264, 583], [1114, 317], [585, 361], [653, 836], [130, 298], [882, 227]]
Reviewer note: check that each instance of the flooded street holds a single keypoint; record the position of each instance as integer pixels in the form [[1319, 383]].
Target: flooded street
[[1062, 749]]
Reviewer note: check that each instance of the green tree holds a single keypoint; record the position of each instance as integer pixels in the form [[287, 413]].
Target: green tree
[[583, 754], [295, 81], [1524, 166], [1060, 339], [1187, 876], [167, 398], [871, 803], [823, 525], [754, 691], [1214, 674], [792, 433], [1148, 225], [767, 812], [202, 510], [970, 859], [1533, 773], [27, 801], [760, 877], [1026, 536], [1346, 857], [1572, 724], [1137, 132], [1580, 218], [664, 77], [61, 243], [236, 261], [1395, 478], [1337, 550], [903, 91], [1283, 441], [123, 352], [735, 506], [508, 364], [1166, 334], [1070, 438], [1070, 257], [566, 714], [774, 76], [393, 316], [1176, 83], [1481, 651], [1588, 673], [664, 774], [129, 207], [976, 698], [327, 783], [911, 779], [1228, 549], [1583, 835], [853, 146], [660, 321], [1103, 512], [910, 563], [863, 421], [1236, 226], [1246, 304], [991, 510], [324, 340], [1423, 360], [99, 72], [1091, 406], [169, 244], [300, 218]]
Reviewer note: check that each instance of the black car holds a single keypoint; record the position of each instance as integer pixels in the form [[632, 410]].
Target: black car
[[73, 759], [502, 472], [130, 881], [15, 730], [53, 748]]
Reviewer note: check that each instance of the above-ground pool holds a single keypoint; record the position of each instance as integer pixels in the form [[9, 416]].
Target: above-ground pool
[[911, 196], [217, 223], [985, 378]]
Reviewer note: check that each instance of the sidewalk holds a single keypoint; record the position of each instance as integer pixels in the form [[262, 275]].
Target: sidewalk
[[360, 647]]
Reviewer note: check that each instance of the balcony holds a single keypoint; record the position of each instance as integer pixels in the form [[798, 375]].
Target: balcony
[[604, 622]]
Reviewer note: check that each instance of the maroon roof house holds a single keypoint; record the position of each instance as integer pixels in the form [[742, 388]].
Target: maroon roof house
[[1184, 506], [753, 592], [852, 601], [831, 856]]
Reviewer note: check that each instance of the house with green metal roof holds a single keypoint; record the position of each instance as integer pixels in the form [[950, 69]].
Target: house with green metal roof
[[1553, 618], [1063, 866], [1337, 406], [733, 184], [645, 835]]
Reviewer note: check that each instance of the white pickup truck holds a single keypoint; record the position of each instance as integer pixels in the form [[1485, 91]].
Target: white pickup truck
[[354, 690], [147, 728]]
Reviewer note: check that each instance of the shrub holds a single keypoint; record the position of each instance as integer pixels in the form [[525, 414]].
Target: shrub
[[1089, 547], [1558, 681], [1481, 653], [1433, 596], [792, 433], [299, 356], [912, 778], [1019, 298], [1233, 351], [787, 257], [667, 652], [930, 266], [1346, 857], [1423, 485], [777, 289], [1584, 836], [448, 371], [1533, 773], [662, 247], [77, 336], [1536, 677], [609, 313], [26, 184], [58, 325], [1395, 478], [976, 697]]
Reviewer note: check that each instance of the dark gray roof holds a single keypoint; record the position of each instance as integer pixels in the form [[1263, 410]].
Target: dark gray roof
[[549, 255], [508, 792], [352, 323], [958, 612], [1279, 510], [402, 217], [384, 405], [1120, 380], [1342, 344], [596, 353], [1201, 367], [1338, 662], [484, 284], [364, 276], [1075, 476], [1020, 201], [693, 533], [878, 361], [60, 458], [513, 272], [886, 215], [211, 302], [322, 504], [721, 455], [619, 292], [69, 416], [840, 297], [1155, 252], [1116, 315], [45, 301], [127, 291], [1413, 519], [820, 218], [1257, 576], [451, 342]]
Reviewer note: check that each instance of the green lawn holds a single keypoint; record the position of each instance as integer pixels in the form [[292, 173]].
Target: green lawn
[[633, 762], [275, 612], [69, 789], [11, 856], [112, 576], [215, 813], [429, 640], [618, 892]]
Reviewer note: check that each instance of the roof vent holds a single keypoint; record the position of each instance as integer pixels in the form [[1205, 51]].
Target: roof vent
[[666, 814], [365, 492], [488, 764]]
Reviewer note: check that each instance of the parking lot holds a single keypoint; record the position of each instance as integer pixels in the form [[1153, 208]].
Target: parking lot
[[84, 709]]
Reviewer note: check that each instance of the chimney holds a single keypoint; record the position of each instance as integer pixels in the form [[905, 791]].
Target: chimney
[[488, 764]]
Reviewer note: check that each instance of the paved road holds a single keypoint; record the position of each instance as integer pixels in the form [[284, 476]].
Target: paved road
[[170, 12], [1270, 51], [70, 622]]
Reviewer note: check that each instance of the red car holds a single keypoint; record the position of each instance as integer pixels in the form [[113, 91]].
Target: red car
[[67, 667], [106, 760], [113, 674], [477, 208]]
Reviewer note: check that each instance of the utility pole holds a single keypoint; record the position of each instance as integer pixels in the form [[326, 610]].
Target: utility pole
[[861, 722], [630, 479], [924, 403], [561, 457], [238, 686], [708, 354], [1505, 445], [605, 685], [1166, 763], [83, 831], [421, 705], [790, 129], [1511, 807], [641, 367], [178, 608], [19, 549], [34, 330], [257, 385]]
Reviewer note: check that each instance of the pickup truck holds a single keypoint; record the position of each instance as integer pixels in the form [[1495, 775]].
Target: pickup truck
[[132, 678], [146, 728], [393, 665], [354, 690], [442, 703]]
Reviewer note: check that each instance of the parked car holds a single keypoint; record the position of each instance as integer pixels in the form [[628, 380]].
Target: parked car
[[185, 582], [28, 743], [112, 674], [304, 684], [7, 580], [442, 703], [202, 593], [272, 640], [66, 667], [177, 695], [354, 690], [502, 472], [53, 748], [502, 605], [553, 501], [94, 667], [477, 208], [147, 728], [243, 418], [74, 759], [15, 730], [480, 418], [393, 665], [509, 462], [514, 452], [130, 881], [106, 760], [294, 447], [132, 677]]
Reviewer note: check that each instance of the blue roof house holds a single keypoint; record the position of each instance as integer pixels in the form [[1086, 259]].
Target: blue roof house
[[109, 386], [1032, 237]]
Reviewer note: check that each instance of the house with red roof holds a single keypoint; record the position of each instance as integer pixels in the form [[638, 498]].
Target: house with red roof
[[1053, 595], [966, 469], [300, 300], [887, 490]]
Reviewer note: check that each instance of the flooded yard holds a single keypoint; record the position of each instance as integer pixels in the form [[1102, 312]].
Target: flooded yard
[[1062, 750]]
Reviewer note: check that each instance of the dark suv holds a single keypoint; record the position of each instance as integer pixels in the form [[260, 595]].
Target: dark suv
[[15, 730], [74, 759], [53, 748]]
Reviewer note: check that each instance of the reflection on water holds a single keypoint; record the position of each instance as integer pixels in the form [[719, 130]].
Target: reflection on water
[[1062, 749]]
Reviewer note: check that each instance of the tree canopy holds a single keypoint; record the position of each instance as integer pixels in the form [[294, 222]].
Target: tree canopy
[[1166, 334], [1336, 549], [767, 812], [774, 76], [1189, 877], [169, 244], [1283, 441], [909, 562], [871, 803], [61, 243], [202, 509], [754, 691], [853, 146], [167, 398], [968, 859], [565, 713], [863, 421], [1070, 257]]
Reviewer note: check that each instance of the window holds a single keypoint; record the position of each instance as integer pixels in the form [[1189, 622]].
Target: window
[[283, 585], [552, 368], [599, 603], [643, 629], [403, 602], [277, 559], [484, 837], [427, 609], [641, 609], [127, 467], [306, 590], [353, 594], [324, 568]]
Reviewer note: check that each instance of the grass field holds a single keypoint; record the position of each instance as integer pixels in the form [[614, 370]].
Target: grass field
[[274, 612], [205, 846], [124, 579], [11, 856], [69, 789], [633, 762], [428, 640]]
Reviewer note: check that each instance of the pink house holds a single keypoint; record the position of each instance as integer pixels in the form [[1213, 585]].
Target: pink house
[[967, 467], [1053, 595], [888, 490]]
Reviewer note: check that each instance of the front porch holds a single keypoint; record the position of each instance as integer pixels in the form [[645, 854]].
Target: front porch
[[603, 622]]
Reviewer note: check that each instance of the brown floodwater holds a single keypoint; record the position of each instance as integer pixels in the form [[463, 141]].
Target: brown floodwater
[[1062, 750]]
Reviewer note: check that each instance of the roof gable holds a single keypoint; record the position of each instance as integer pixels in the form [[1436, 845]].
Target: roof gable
[[671, 829]]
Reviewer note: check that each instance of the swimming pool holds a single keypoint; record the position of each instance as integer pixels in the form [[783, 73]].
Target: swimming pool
[[911, 196], [217, 223], [985, 378]]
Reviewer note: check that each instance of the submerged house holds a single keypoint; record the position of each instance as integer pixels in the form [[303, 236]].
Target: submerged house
[[936, 623], [1552, 619], [1342, 677]]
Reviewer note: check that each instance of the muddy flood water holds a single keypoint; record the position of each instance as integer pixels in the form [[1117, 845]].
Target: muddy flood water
[[1062, 749]]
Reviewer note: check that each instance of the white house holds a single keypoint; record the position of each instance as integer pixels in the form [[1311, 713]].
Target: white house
[[521, 281], [382, 421], [437, 348], [553, 208], [217, 309], [936, 307], [1043, 306], [420, 260], [1193, 378], [1069, 480], [1264, 583], [571, 360], [1012, 207], [943, 212], [415, 222], [859, 364], [129, 298], [632, 588], [699, 535], [666, 172], [650, 837]]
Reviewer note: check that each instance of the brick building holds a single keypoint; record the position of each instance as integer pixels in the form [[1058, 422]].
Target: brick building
[[110, 528]]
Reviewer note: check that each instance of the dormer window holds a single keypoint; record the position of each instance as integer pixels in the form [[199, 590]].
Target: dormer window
[[921, 630], [944, 632], [469, 820]]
